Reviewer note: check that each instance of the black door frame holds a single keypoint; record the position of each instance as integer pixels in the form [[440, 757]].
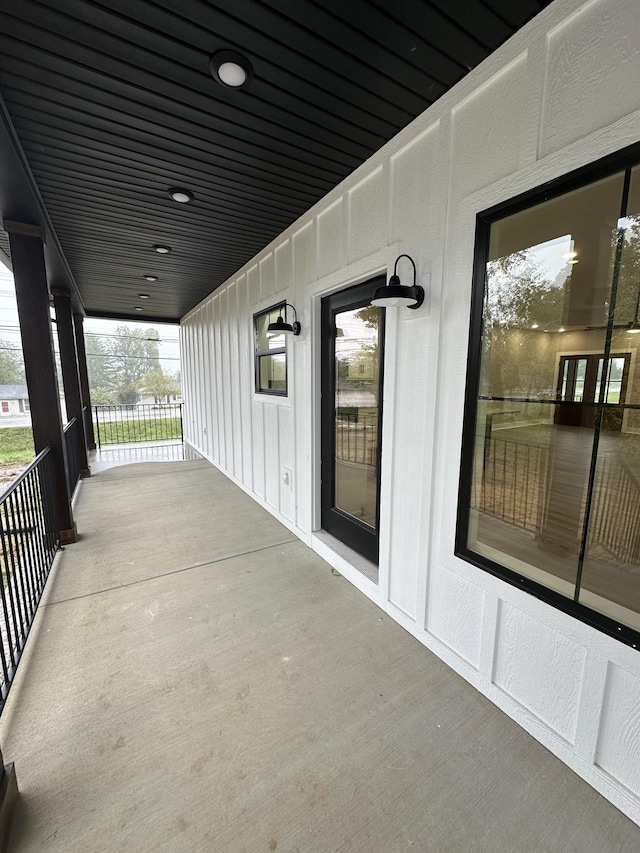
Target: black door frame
[[349, 530], [584, 413]]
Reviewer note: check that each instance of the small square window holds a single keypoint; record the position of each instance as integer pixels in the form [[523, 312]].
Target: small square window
[[270, 353]]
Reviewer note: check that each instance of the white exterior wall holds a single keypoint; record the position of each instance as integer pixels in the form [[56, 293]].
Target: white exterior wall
[[560, 94]]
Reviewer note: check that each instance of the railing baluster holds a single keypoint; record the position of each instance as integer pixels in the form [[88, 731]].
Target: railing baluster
[[140, 424], [28, 542], [509, 467], [27, 545], [9, 613], [17, 579], [37, 518], [95, 411], [72, 438]]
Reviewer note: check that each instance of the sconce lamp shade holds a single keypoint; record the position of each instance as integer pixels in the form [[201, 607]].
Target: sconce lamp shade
[[396, 295], [281, 324]]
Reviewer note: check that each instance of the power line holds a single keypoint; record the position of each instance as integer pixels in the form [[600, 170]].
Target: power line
[[109, 355], [135, 337], [16, 328], [120, 357]]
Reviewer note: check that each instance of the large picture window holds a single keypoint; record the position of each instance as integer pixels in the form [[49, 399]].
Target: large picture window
[[550, 478], [270, 354]]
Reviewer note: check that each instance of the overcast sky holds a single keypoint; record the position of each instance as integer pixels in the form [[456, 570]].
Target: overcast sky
[[10, 331]]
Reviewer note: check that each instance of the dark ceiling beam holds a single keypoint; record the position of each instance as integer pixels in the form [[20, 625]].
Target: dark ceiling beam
[[20, 201]]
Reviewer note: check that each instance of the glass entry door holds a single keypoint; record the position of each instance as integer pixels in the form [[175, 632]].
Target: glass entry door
[[580, 381], [351, 411]]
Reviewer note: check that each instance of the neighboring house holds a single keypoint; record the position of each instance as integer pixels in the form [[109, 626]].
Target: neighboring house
[[150, 400], [14, 400]]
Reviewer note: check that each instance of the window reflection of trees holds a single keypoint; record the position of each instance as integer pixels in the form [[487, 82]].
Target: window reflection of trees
[[555, 491]]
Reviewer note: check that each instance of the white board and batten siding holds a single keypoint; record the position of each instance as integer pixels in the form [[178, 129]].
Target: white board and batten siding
[[562, 93]]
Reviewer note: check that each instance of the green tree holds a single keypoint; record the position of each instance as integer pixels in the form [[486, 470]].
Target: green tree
[[133, 353], [102, 396], [627, 306], [120, 362], [99, 367], [127, 394], [11, 364], [517, 294], [520, 299], [161, 385]]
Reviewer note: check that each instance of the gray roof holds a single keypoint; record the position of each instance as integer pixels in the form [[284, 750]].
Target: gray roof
[[14, 392]]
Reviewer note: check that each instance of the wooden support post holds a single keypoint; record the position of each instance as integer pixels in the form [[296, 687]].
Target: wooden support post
[[8, 798], [81, 351], [32, 297], [70, 373]]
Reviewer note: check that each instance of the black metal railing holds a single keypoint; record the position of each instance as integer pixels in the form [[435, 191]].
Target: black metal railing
[[72, 439], [357, 437], [615, 512], [136, 424], [512, 485], [29, 539], [88, 427]]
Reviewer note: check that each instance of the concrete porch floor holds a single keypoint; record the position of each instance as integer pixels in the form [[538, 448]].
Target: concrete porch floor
[[198, 680]]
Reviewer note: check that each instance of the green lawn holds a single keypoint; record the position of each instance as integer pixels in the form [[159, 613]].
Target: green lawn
[[124, 432], [16, 445]]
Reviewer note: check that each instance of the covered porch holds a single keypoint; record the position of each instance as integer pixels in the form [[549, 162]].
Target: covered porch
[[198, 679]]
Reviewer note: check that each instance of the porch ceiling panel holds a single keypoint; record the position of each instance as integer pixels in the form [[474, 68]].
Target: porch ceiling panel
[[113, 103]]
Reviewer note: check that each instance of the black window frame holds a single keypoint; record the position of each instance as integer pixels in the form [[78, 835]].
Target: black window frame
[[277, 309], [622, 161]]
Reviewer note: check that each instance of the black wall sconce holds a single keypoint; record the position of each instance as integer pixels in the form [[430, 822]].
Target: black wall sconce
[[281, 324], [394, 294]]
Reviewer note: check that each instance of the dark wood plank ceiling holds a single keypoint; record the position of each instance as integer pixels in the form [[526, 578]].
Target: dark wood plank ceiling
[[113, 103]]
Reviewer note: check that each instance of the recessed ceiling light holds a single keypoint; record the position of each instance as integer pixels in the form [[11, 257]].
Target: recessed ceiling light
[[162, 250], [143, 296], [181, 196], [231, 69], [232, 74], [150, 277], [534, 325], [561, 329], [569, 255], [139, 308]]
